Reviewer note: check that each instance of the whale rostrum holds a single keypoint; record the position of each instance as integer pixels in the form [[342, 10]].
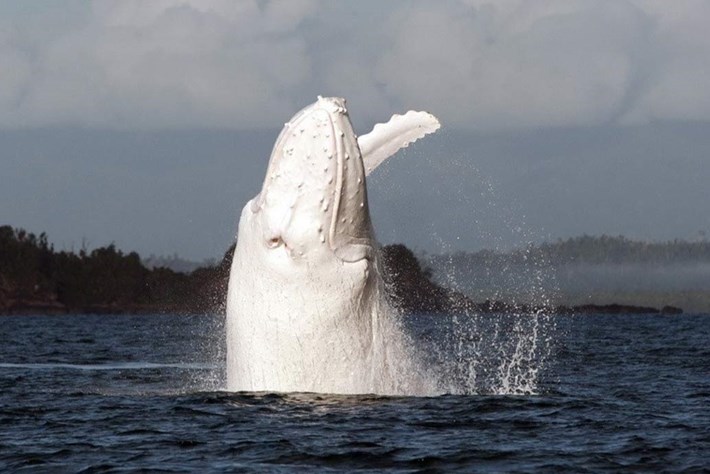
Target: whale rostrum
[[306, 306]]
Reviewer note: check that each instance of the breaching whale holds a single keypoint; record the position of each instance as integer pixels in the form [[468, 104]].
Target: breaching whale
[[306, 306]]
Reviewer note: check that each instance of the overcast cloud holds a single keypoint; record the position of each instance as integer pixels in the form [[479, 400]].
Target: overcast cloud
[[249, 64], [149, 123]]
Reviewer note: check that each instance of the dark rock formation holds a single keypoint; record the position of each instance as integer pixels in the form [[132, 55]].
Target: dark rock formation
[[411, 288], [608, 309], [671, 310]]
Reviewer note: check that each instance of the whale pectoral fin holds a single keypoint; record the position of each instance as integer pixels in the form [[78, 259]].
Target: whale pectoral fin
[[386, 139], [354, 252]]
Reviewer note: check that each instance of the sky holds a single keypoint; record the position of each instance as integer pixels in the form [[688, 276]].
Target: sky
[[150, 124]]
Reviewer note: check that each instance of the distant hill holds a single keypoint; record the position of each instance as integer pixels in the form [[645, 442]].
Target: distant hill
[[175, 263], [34, 278], [585, 269], [592, 250]]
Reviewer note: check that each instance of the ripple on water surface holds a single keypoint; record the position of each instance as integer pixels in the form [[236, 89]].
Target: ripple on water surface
[[106, 394]]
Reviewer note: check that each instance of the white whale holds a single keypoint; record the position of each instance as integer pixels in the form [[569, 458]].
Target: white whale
[[306, 308]]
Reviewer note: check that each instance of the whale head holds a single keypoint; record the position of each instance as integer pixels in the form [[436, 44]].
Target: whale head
[[313, 203]]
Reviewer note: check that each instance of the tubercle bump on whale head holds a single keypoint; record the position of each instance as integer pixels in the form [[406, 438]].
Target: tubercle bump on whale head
[[314, 196]]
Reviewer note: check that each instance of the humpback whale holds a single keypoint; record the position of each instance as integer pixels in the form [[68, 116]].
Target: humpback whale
[[306, 305]]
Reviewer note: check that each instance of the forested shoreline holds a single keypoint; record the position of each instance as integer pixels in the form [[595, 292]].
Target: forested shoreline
[[588, 249], [34, 278]]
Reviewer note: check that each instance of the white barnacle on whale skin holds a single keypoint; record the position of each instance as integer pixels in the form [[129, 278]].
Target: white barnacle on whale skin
[[306, 310]]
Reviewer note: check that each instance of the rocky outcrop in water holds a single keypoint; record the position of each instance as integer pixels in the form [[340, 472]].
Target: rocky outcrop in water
[[411, 287]]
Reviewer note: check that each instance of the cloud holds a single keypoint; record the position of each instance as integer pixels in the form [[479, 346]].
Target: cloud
[[553, 62], [165, 63], [530, 64], [250, 64]]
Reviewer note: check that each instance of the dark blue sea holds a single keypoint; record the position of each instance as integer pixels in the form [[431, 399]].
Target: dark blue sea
[[104, 393]]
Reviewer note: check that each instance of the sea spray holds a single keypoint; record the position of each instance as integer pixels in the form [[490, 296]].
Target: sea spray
[[475, 353], [495, 352]]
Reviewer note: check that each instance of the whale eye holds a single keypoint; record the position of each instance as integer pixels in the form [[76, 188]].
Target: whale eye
[[274, 242]]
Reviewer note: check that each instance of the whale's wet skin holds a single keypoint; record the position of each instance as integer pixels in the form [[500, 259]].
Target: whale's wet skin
[[306, 308]]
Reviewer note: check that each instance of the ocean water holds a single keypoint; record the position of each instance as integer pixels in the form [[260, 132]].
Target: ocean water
[[622, 393]]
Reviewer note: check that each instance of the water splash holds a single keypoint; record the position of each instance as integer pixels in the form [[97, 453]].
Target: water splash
[[496, 353], [474, 353]]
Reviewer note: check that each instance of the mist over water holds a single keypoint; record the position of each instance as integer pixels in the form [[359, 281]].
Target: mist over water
[[635, 277], [582, 277]]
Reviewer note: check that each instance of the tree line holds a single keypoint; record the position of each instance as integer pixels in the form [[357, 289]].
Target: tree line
[[588, 249], [35, 276]]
